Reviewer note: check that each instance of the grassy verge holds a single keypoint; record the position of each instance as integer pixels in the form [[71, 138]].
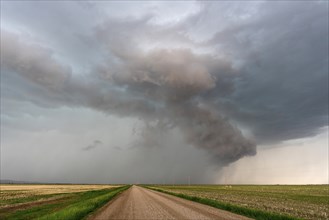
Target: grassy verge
[[85, 206], [35, 212], [248, 212], [72, 206]]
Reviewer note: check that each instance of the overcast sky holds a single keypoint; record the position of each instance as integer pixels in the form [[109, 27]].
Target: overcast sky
[[159, 92]]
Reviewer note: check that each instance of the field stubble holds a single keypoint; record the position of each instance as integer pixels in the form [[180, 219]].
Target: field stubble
[[308, 201], [20, 201]]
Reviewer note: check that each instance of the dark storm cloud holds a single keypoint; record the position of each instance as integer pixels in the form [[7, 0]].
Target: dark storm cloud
[[162, 85], [267, 70], [282, 89], [32, 62], [175, 81], [41, 79]]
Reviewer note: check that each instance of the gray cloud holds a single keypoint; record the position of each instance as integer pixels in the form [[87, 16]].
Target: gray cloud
[[93, 145], [32, 62], [162, 85], [175, 81], [282, 91], [262, 66]]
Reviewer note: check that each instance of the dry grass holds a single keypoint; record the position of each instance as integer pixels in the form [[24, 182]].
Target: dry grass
[[20, 202], [51, 189], [20, 193], [307, 202]]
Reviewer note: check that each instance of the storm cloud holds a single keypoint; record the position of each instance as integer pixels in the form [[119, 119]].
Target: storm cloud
[[165, 85], [255, 73], [282, 91]]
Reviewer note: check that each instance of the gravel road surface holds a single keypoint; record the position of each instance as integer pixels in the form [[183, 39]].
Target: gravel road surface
[[141, 203]]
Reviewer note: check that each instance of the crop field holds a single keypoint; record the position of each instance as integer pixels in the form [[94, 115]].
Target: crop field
[[299, 201], [53, 201]]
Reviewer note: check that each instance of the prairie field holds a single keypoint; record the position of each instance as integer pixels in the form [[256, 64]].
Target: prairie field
[[299, 201], [22, 201], [48, 189]]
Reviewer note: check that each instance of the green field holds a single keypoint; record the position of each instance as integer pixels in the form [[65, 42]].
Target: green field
[[297, 201], [78, 201], [54, 201]]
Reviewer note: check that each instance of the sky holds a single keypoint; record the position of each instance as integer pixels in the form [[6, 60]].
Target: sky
[[225, 92]]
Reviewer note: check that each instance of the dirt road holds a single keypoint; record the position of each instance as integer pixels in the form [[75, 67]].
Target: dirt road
[[141, 203]]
